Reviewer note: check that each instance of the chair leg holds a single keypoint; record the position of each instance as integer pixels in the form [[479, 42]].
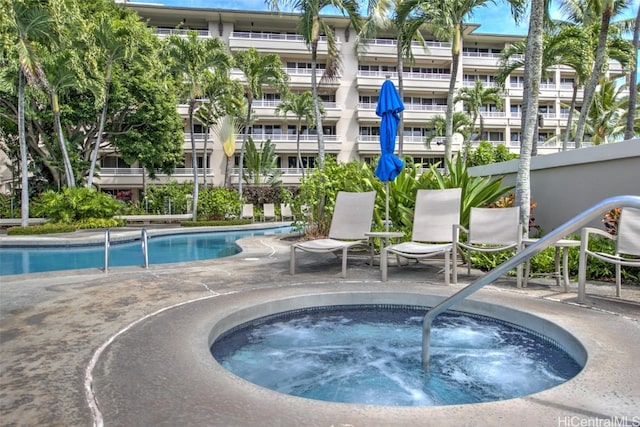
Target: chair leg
[[582, 268], [618, 279], [292, 261], [384, 263], [345, 251], [454, 273], [519, 276], [447, 267]]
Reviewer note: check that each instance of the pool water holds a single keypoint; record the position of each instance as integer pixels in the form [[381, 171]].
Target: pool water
[[162, 250], [372, 355]]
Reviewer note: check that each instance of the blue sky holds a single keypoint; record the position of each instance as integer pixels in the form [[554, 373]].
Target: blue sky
[[495, 19]]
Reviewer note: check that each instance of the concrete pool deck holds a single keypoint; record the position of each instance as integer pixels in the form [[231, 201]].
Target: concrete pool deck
[[83, 347]]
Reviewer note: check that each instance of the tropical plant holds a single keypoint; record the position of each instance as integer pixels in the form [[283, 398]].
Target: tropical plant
[[633, 81], [218, 203], [262, 164], [227, 129], [586, 14], [72, 205], [301, 106], [315, 26], [474, 98], [170, 198], [486, 153], [607, 113], [461, 124], [259, 72]]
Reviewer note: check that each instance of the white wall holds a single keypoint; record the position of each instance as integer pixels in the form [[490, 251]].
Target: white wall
[[565, 184]]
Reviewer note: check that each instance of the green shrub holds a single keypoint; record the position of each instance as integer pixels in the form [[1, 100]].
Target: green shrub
[[48, 228], [90, 223], [172, 198], [74, 204], [217, 204]]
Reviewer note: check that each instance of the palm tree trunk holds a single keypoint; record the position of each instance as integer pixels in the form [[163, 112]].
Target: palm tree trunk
[[590, 88], [24, 155], [103, 119], [206, 155], [633, 82], [567, 132], [247, 123], [194, 160], [299, 159], [448, 132], [316, 102], [71, 182], [532, 73]]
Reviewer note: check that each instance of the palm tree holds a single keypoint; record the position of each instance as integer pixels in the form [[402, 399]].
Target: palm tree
[[569, 46], [383, 15], [221, 99], [474, 98], [531, 90], [191, 59], [313, 26], [227, 129], [586, 13], [633, 80], [461, 124], [301, 106], [607, 113], [262, 165], [29, 25], [259, 71], [61, 77], [109, 39], [446, 19]]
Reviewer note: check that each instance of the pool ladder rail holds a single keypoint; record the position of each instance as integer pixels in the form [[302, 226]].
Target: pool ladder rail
[[571, 226], [144, 239]]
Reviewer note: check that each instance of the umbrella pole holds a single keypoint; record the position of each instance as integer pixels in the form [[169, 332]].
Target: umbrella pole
[[386, 206]]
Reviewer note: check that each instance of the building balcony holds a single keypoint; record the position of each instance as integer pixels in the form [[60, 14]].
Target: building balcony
[[412, 112], [280, 43], [372, 80], [482, 60], [124, 177], [387, 48], [286, 143], [412, 145], [267, 109], [164, 32]]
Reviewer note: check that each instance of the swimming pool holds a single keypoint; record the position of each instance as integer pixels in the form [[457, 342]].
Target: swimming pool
[[163, 249]]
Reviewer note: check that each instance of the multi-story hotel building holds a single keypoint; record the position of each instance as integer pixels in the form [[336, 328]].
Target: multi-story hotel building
[[351, 126]]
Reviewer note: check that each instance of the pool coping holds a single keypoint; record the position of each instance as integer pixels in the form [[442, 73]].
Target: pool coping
[[127, 385]]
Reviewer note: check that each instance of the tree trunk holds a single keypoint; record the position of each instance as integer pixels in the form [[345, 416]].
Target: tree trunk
[[206, 156], [567, 133], [194, 160], [24, 155], [448, 133], [633, 82], [316, 102], [532, 74], [68, 170], [244, 142], [299, 159], [590, 88], [103, 119]]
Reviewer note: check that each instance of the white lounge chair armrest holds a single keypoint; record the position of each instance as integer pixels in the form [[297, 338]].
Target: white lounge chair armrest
[[586, 231]]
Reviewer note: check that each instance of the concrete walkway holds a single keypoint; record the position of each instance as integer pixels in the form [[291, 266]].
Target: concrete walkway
[[77, 347]]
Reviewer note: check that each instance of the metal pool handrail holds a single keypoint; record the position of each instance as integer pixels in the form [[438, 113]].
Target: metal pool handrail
[[145, 247], [107, 245], [568, 227]]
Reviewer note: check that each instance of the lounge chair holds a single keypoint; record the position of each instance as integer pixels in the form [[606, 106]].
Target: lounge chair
[[247, 211], [351, 219], [285, 212], [435, 214], [269, 212], [627, 250], [490, 230]]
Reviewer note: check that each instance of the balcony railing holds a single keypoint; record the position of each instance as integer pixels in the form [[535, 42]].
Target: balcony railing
[[393, 42], [271, 36], [283, 137], [164, 32], [139, 171], [285, 171], [410, 75]]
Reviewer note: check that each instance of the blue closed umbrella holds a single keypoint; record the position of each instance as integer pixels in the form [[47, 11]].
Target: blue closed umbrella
[[388, 109]]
